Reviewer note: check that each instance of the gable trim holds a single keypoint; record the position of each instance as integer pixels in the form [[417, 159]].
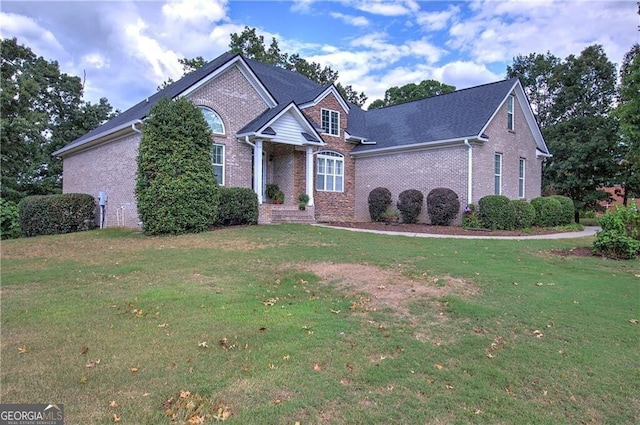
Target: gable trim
[[329, 90], [245, 70], [528, 116], [307, 127]]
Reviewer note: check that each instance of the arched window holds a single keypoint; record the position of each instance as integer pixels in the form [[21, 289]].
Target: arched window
[[330, 172], [215, 122]]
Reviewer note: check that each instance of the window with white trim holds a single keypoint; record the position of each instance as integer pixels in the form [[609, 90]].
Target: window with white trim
[[330, 172], [521, 175], [511, 101], [330, 121], [497, 174], [217, 162], [213, 120]]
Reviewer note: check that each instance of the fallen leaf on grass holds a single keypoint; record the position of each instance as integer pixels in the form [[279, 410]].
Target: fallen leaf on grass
[[164, 325], [317, 367], [116, 418], [84, 350], [634, 321], [335, 311], [203, 344], [438, 366], [113, 404], [24, 349], [270, 302], [133, 369], [92, 363], [537, 333], [449, 387]]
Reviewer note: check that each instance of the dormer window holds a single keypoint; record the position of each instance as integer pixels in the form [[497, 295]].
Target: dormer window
[[330, 121], [213, 120], [510, 107]]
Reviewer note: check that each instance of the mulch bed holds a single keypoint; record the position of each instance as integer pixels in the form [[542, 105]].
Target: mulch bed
[[440, 230]]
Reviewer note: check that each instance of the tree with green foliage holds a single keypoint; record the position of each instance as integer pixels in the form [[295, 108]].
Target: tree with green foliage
[[188, 65], [628, 114], [176, 190], [42, 110], [252, 46], [411, 91], [536, 73], [573, 100]]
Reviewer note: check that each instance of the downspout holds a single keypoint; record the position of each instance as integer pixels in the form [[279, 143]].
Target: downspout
[[469, 172]]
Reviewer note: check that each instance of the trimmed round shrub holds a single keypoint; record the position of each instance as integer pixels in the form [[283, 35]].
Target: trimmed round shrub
[[379, 201], [525, 214], [497, 212], [56, 214], [410, 205], [9, 220], [176, 190], [567, 215], [548, 211], [443, 206], [238, 205]]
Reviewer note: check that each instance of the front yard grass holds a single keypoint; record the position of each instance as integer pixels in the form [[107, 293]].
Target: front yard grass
[[293, 323]]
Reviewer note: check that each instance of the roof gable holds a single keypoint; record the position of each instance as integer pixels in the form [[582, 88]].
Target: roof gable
[[463, 114], [327, 91]]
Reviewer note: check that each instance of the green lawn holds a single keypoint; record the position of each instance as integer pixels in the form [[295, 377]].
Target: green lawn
[[285, 324]]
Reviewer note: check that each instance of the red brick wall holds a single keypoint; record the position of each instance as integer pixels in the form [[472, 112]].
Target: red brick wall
[[333, 206]]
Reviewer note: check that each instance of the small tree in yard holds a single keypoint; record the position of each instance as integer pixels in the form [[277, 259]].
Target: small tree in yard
[[176, 190], [410, 205], [443, 206], [379, 201]]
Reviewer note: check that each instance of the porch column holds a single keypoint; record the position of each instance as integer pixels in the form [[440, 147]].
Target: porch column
[[309, 175], [257, 170]]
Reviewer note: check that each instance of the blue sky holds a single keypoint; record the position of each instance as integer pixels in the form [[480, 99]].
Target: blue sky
[[127, 48]]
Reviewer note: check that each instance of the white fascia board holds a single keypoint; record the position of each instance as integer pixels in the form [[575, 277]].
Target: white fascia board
[[327, 92], [300, 118], [493, 115], [539, 153], [99, 138], [417, 146], [528, 115], [245, 70]]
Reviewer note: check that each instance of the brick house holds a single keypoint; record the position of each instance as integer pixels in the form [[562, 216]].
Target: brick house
[[273, 126]]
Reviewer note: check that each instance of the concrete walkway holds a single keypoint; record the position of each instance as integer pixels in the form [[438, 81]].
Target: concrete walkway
[[588, 231]]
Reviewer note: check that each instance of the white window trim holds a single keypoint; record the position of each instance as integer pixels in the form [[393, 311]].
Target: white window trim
[[224, 152], [206, 108], [498, 175], [522, 173], [511, 107], [337, 130], [334, 156]]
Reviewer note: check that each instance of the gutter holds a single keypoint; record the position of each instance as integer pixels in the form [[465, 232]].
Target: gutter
[[94, 140], [413, 147]]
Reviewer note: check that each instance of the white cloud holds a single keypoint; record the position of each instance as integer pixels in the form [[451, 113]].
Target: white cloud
[[96, 60], [302, 6], [435, 21], [356, 21], [385, 7], [463, 74], [499, 31], [28, 32], [195, 11]]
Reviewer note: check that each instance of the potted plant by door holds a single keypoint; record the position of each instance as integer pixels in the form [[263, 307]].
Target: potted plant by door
[[303, 200], [275, 194]]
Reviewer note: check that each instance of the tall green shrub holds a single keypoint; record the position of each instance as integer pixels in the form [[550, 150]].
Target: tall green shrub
[[548, 211], [176, 190], [567, 214], [410, 205], [379, 201], [443, 206], [55, 214], [238, 205], [9, 220], [525, 214], [620, 234], [497, 212]]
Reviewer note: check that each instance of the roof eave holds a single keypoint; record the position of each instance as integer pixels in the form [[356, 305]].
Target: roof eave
[[98, 139], [417, 146]]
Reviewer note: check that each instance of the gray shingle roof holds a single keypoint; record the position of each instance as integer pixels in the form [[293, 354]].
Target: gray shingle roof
[[461, 114]]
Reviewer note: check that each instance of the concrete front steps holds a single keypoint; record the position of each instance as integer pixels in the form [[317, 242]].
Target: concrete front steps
[[276, 214]]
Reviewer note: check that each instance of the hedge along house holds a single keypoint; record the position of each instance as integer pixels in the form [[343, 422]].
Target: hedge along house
[[273, 126]]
